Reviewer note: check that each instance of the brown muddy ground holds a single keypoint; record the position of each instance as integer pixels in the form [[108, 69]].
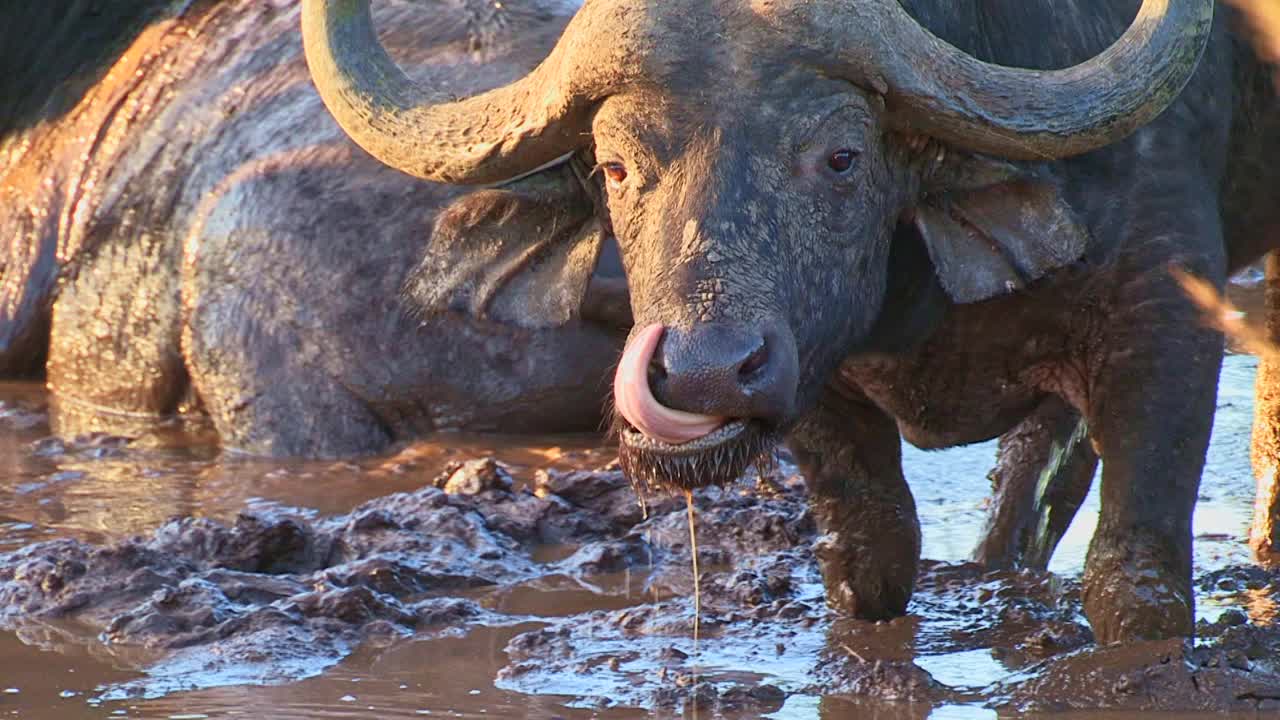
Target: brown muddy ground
[[491, 577]]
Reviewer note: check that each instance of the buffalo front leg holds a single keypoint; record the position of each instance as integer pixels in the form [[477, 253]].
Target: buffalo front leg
[[1264, 537], [1151, 412], [851, 455], [1044, 469]]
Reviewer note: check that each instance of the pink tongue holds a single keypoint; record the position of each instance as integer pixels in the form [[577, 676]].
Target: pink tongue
[[637, 404]]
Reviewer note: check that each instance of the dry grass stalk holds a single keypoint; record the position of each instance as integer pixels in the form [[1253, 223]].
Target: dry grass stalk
[[1224, 317], [1263, 18], [1264, 451]]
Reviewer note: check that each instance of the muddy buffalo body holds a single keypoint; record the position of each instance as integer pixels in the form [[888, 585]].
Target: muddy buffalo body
[[187, 229], [840, 231]]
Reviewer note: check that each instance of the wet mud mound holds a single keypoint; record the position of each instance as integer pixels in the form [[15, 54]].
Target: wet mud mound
[[271, 598], [1233, 672], [603, 595], [274, 597], [1234, 664]]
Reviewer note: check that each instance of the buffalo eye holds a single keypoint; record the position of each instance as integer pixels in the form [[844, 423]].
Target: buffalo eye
[[615, 172], [841, 161]]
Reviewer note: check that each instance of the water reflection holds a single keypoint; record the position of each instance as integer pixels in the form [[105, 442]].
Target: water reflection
[[1261, 606]]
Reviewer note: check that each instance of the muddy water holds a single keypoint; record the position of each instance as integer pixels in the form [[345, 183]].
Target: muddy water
[[584, 607]]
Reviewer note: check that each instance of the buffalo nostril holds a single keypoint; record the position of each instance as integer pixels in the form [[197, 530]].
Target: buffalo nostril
[[657, 373], [754, 363]]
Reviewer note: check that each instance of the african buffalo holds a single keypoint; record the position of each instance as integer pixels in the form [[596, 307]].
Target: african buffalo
[[841, 228], [186, 228]]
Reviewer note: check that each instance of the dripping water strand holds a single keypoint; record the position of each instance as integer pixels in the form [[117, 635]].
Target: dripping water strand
[[643, 499], [697, 584], [697, 596]]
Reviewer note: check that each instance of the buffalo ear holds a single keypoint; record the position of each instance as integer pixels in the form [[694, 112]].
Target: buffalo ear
[[992, 228], [519, 255]]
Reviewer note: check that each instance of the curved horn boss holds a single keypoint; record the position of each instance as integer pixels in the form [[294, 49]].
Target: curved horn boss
[[487, 138], [934, 88]]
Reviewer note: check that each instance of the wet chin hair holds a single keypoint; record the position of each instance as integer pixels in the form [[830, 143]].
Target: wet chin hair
[[720, 465]]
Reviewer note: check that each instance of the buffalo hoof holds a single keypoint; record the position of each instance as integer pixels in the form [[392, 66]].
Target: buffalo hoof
[[1130, 595], [869, 583]]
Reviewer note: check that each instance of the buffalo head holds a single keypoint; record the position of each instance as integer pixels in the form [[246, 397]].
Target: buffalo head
[[753, 159]]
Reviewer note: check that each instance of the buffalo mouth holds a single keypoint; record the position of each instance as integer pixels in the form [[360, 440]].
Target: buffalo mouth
[[717, 458]]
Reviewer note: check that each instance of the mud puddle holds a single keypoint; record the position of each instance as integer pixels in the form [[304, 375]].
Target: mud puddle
[[490, 577]]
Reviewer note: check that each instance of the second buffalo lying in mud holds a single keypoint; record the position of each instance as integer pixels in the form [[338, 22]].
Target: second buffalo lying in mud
[[185, 228], [841, 228]]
